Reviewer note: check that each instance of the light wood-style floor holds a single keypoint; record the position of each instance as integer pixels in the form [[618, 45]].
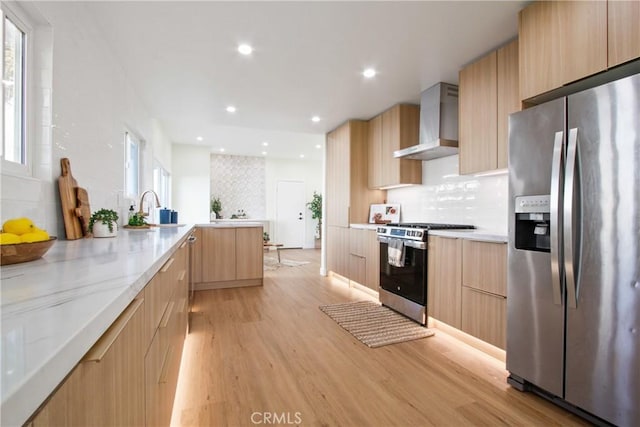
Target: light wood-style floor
[[269, 354]]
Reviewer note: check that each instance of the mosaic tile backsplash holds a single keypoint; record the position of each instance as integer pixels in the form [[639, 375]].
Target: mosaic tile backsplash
[[239, 182]]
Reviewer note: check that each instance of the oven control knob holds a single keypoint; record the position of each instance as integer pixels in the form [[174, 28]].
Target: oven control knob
[[419, 233]]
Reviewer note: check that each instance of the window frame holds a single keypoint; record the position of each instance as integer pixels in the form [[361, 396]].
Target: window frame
[[21, 20], [135, 140], [162, 181]]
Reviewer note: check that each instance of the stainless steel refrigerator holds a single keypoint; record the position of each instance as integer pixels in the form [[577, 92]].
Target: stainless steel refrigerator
[[573, 298]]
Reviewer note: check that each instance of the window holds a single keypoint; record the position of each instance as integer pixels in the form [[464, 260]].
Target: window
[[132, 166], [162, 184], [14, 78]]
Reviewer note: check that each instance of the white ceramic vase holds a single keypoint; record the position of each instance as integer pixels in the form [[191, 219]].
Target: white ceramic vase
[[102, 230]]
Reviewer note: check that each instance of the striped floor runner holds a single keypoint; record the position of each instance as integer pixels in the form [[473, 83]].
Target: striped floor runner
[[373, 324]]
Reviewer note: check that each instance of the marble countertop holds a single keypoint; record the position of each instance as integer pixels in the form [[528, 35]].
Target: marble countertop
[[232, 223], [482, 235], [55, 308], [365, 226]]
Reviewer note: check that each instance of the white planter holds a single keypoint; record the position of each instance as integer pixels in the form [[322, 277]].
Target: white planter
[[102, 230]]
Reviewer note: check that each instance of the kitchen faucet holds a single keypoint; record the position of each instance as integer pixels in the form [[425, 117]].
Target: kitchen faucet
[[141, 211]]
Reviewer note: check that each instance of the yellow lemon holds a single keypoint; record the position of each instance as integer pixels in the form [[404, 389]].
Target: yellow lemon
[[9, 238], [37, 236], [18, 226]]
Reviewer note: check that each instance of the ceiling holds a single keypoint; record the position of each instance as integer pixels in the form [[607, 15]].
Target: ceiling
[[308, 58]]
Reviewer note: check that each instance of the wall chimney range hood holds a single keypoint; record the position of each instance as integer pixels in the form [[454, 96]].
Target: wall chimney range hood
[[438, 124]]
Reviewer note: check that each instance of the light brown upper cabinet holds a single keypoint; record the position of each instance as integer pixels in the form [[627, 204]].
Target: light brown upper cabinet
[[347, 194], [508, 96], [375, 152], [394, 129], [623, 31], [488, 90], [561, 42]]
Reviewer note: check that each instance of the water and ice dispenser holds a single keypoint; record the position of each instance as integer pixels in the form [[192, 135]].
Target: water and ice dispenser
[[533, 223]]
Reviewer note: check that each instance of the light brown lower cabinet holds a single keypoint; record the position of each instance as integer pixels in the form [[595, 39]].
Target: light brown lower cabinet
[[445, 280], [107, 387], [484, 316], [467, 286], [129, 377], [228, 257], [364, 258], [337, 241]]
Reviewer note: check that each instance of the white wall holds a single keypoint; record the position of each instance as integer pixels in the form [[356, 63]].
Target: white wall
[[191, 182], [91, 106], [305, 170], [446, 197]]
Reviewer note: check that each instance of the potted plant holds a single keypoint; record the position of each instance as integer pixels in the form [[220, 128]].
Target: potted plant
[[315, 206], [104, 223], [265, 237], [216, 207]]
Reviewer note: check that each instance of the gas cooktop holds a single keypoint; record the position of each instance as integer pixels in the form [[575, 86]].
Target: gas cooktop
[[416, 230], [430, 225]]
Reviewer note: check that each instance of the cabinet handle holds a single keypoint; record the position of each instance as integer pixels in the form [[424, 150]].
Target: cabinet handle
[[167, 315], [183, 244], [99, 349], [167, 265], [182, 304], [165, 366], [181, 276]]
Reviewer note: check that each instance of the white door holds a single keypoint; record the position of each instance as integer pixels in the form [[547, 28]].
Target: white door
[[290, 214]]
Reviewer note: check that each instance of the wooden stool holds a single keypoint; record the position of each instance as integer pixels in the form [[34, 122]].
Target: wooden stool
[[268, 246]]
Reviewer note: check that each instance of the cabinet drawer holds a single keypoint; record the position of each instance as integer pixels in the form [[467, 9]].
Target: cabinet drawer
[[485, 316], [157, 367], [157, 294], [114, 367], [484, 266], [358, 269]]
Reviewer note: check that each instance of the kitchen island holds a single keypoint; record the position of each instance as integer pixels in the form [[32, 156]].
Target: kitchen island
[[54, 309], [228, 254]]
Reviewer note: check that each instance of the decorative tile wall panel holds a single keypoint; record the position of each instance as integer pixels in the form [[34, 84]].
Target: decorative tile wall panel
[[239, 181]]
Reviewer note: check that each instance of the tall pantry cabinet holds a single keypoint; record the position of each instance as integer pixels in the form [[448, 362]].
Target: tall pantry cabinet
[[347, 194]]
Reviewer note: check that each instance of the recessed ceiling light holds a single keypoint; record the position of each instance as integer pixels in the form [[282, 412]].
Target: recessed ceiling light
[[265, 143], [369, 72], [231, 109], [245, 49], [222, 150], [302, 156], [318, 146], [199, 138], [315, 119], [264, 153]]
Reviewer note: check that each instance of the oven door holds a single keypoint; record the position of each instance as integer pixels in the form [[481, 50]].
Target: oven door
[[410, 281]]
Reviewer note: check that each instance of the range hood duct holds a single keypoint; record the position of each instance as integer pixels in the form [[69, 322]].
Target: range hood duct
[[438, 124]]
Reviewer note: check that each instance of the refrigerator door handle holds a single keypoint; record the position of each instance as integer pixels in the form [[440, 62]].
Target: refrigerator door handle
[[570, 257], [556, 216]]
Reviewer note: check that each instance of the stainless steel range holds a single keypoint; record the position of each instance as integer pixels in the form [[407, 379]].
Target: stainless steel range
[[403, 266]]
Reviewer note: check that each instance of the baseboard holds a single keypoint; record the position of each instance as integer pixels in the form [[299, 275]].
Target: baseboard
[[474, 342], [205, 286], [364, 289]]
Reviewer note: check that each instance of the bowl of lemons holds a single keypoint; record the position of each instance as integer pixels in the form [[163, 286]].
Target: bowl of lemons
[[22, 241]]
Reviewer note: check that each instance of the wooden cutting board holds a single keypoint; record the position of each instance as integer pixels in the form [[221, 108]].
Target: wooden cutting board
[[67, 186], [83, 210]]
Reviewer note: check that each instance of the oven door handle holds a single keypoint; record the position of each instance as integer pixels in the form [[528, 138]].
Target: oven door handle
[[410, 243]]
